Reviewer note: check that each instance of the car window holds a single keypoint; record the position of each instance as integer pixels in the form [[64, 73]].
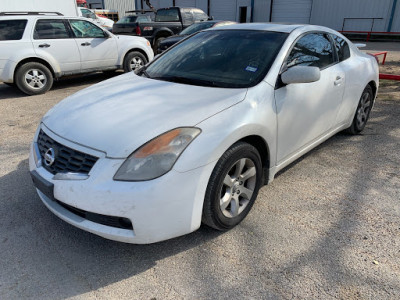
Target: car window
[[125, 20], [197, 27], [50, 29], [88, 13], [199, 15], [11, 30], [85, 29], [314, 49], [167, 15], [342, 48], [220, 58], [142, 19]]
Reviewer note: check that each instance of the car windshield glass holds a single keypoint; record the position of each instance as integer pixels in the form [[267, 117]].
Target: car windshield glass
[[221, 58], [130, 19], [196, 27]]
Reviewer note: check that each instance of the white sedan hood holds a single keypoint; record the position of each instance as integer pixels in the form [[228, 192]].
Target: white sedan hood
[[119, 115]]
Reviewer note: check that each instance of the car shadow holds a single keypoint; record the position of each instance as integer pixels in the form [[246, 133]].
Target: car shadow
[[50, 249], [7, 92]]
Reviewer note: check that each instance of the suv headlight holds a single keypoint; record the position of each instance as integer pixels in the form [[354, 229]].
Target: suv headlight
[[158, 156]]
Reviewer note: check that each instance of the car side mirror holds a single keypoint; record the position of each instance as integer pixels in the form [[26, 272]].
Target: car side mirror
[[301, 74], [106, 34]]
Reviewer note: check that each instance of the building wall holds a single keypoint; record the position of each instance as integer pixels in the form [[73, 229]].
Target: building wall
[[294, 11], [120, 5], [343, 14]]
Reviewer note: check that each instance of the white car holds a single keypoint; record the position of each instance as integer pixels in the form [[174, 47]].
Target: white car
[[193, 136], [36, 48], [101, 21]]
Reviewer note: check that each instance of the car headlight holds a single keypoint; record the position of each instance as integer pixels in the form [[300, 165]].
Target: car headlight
[[158, 156]]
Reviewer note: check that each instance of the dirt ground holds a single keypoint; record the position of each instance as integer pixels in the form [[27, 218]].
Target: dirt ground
[[328, 227]]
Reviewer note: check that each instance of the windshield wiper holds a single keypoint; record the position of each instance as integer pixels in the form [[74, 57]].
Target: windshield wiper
[[192, 81], [142, 71]]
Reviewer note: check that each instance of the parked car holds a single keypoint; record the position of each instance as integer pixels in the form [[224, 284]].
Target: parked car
[[37, 48], [193, 135], [167, 22], [128, 20], [168, 42], [99, 20]]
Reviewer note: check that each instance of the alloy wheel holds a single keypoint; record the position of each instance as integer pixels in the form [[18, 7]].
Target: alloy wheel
[[363, 110], [35, 78], [238, 187]]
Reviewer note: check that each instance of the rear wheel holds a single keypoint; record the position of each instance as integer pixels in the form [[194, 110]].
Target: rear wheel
[[157, 44], [33, 78], [233, 187], [362, 112], [134, 60]]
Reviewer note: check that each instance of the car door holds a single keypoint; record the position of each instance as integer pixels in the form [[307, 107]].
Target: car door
[[52, 40], [98, 49], [307, 111]]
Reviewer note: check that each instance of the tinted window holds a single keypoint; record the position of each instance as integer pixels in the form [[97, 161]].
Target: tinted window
[[88, 14], [197, 27], [167, 15], [313, 49], [125, 20], [85, 29], [221, 58], [142, 19], [11, 30], [50, 29], [342, 48]]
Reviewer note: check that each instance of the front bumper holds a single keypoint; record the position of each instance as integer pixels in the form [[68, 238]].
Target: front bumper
[[159, 209]]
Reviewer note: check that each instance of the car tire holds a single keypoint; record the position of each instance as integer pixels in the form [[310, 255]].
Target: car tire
[[233, 187], [33, 78], [157, 44], [133, 61], [362, 112]]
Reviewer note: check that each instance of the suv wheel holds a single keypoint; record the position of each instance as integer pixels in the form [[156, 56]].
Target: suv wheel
[[134, 60], [33, 78]]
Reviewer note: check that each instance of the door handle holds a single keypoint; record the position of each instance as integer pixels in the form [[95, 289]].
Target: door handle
[[338, 80], [44, 46], [85, 44]]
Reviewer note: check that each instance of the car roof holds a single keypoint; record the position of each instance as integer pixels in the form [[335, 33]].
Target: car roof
[[277, 27]]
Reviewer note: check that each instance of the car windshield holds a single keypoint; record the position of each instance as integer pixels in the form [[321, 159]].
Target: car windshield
[[197, 27], [220, 58], [130, 19]]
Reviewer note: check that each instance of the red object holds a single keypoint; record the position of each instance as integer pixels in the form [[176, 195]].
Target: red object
[[138, 31], [384, 53], [369, 32], [81, 3], [389, 77]]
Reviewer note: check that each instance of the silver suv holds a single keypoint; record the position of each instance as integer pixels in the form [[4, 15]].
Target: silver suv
[[36, 48]]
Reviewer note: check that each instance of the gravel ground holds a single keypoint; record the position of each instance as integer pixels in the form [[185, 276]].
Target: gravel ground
[[327, 227]]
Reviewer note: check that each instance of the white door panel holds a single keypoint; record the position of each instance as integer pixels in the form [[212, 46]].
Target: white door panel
[[97, 49], [307, 110], [51, 39]]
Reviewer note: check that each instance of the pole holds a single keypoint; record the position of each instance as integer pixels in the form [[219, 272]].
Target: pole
[[392, 15]]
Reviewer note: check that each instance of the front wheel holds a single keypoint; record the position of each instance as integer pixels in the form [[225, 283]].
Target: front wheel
[[233, 187], [362, 112], [133, 61], [33, 78]]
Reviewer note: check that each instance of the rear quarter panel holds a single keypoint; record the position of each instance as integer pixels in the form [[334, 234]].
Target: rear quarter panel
[[360, 69]]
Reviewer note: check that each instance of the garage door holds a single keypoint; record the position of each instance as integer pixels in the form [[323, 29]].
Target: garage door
[[185, 3], [223, 10], [293, 11]]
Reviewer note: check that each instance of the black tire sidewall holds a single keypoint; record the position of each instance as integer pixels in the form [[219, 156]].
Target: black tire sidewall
[[354, 126], [129, 57], [241, 150], [24, 87]]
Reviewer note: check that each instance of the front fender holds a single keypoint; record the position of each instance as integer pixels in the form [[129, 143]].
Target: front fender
[[137, 43], [255, 115]]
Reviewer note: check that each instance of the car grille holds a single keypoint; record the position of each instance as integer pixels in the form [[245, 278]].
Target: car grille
[[66, 159], [117, 222]]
